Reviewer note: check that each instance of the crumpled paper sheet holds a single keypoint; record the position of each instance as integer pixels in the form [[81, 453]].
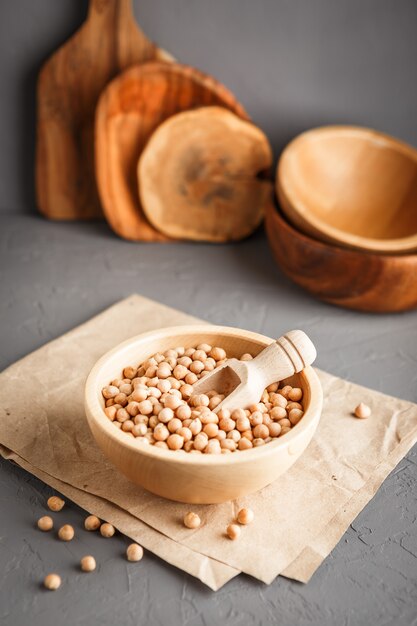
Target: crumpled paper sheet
[[298, 519]]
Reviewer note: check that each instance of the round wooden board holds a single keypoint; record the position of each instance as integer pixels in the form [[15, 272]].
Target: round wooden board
[[130, 108]]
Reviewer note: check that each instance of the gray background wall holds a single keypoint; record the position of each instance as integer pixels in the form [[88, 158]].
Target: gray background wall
[[294, 64]]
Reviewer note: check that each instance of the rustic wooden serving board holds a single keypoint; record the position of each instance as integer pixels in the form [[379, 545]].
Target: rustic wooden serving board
[[69, 85], [131, 107]]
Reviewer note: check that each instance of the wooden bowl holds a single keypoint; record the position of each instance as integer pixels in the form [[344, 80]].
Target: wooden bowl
[[348, 278], [351, 186], [188, 477]]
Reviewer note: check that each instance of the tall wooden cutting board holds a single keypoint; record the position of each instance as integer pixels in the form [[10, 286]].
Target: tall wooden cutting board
[[69, 85]]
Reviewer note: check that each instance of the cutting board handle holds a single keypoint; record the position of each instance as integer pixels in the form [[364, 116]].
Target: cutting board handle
[[104, 9]]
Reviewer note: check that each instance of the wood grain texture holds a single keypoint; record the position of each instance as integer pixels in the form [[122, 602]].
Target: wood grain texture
[[186, 477], [354, 187], [243, 382], [69, 85], [203, 176], [130, 109], [347, 278]]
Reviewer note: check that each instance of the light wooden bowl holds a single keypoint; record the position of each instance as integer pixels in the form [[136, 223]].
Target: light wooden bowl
[[348, 278], [188, 477], [351, 186]]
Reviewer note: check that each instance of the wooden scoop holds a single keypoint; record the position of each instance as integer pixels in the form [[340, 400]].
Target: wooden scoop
[[69, 85], [244, 381]]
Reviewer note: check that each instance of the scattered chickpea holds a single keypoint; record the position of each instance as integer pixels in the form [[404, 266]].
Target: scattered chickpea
[[134, 552], [55, 504], [66, 532], [362, 411], [192, 520], [92, 522], [233, 531], [245, 516], [52, 582], [88, 563], [45, 523], [107, 530]]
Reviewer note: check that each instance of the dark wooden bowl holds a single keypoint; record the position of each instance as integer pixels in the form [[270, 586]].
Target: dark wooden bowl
[[347, 278]]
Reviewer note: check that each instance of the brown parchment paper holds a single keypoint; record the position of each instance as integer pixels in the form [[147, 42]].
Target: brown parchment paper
[[325, 489], [209, 571]]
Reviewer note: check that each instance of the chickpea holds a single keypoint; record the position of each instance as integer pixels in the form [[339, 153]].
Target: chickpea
[[213, 447], [172, 402], [295, 394], [200, 441], [107, 530], [285, 391], [163, 371], [126, 389], [200, 400], [294, 416], [285, 423], [227, 424], [161, 444], [164, 386], [166, 415], [45, 523], [88, 563], [134, 552], [278, 413], [196, 367], [258, 442], [175, 442], [242, 423], [128, 426], [130, 372], [234, 435], [256, 418], [285, 430], [110, 392], [245, 516], [55, 503], [122, 415], [272, 388], [66, 533], [145, 407], [218, 354], [183, 412], [191, 378], [139, 430], [233, 531], [174, 425], [274, 429], [214, 402], [92, 523], [278, 400], [261, 431], [228, 444], [192, 520], [185, 433], [362, 411], [185, 361], [246, 357], [121, 399], [211, 430], [180, 372], [52, 582], [244, 444], [161, 432]]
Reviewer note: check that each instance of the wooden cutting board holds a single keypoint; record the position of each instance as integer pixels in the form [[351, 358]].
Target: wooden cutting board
[[69, 85], [131, 107]]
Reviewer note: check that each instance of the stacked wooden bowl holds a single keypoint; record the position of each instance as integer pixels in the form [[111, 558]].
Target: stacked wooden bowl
[[348, 227]]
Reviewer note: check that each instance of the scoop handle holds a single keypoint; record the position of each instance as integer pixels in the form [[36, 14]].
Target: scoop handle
[[288, 355]]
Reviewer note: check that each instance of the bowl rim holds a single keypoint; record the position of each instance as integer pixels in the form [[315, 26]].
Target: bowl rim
[[94, 410], [337, 236]]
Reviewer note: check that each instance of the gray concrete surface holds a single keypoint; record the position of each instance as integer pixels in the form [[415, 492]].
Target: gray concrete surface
[[293, 64], [54, 276]]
